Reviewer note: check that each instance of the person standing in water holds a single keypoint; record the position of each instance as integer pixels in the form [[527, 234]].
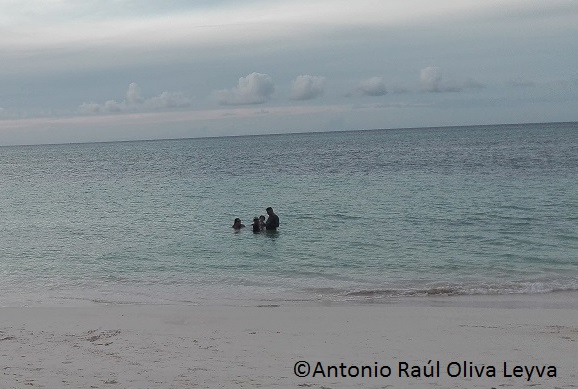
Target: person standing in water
[[272, 221], [237, 224]]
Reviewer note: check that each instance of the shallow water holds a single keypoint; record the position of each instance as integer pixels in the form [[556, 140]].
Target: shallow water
[[364, 215]]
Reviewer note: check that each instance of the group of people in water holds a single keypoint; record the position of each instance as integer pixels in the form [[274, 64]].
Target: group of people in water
[[259, 223]]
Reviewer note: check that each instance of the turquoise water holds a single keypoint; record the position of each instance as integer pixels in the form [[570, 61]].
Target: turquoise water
[[365, 215]]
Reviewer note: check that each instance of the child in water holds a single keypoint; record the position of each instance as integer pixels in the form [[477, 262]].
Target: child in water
[[262, 222], [256, 224], [237, 224]]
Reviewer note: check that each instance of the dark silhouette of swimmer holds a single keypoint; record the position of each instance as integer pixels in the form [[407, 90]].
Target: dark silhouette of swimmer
[[256, 225], [237, 224], [272, 221]]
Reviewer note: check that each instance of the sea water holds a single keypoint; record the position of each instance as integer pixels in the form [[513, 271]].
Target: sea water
[[365, 215]]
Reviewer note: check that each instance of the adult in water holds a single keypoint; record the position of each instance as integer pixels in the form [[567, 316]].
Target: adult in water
[[272, 221], [237, 225]]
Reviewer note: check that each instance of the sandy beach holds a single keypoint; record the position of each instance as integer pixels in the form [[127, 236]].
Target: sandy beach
[[438, 343]]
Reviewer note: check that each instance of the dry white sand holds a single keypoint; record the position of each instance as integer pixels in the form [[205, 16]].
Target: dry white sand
[[220, 346]]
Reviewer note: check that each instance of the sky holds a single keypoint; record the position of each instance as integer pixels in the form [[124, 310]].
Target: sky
[[108, 70]]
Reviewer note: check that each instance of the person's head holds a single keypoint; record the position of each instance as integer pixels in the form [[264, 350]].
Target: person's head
[[269, 211], [262, 218], [237, 222], [255, 220]]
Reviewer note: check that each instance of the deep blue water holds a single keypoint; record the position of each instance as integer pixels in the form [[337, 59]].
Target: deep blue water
[[364, 215]]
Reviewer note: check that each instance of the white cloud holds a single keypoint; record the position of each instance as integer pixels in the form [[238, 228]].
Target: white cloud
[[110, 106], [373, 87], [167, 100], [307, 87], [113, 106], [133, 94], [136, 102], [256, 88], [430, 79]]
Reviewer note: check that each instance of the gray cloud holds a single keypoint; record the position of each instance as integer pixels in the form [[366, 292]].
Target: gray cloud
[[373, 87], [470, 83], [431, 80], [399, 89], [521, 83], [136, 102], [565, 85], [256, 88], [307, 87]]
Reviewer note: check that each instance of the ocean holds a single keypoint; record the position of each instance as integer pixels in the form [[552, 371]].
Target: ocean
[[364, 216]]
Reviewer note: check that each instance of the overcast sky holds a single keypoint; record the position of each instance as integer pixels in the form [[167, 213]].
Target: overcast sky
[[99, 70]]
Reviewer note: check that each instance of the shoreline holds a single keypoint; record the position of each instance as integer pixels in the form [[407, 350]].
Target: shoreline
[[259, 345], [557, 299]]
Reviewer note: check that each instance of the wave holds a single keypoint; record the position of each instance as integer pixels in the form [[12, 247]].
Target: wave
[[447, 290]]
